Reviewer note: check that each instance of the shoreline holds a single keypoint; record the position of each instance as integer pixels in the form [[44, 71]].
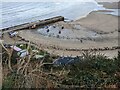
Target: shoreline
[[109, 5], [93, 22], [74, 44]]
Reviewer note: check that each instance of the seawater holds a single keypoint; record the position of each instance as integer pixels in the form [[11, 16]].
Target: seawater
[[15, 13]]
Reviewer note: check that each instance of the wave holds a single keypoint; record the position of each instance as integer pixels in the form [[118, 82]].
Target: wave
[[22, 12]]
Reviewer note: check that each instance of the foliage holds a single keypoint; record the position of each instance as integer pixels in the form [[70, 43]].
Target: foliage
[[9, 81], [94, 71]]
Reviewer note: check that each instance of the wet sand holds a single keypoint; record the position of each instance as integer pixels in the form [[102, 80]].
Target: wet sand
[[113, 5], [100, 22]]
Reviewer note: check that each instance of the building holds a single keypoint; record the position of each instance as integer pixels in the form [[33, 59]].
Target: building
[[20, 53], [66, 60]]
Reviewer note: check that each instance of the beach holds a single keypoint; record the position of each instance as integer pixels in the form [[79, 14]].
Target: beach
[[96, 30], [65, 44]]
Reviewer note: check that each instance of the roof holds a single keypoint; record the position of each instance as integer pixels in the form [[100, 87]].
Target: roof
[[23, 53], [16, 48], [66, 60], [38, 56]]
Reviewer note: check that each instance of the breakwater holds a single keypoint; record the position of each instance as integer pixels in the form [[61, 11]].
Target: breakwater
[[33, 25]]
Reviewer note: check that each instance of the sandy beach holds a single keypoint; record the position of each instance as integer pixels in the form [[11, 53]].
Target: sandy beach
[[66, 44], [96, 30]]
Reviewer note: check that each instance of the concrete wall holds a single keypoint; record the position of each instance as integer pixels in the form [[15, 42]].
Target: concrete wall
[[36, 23]]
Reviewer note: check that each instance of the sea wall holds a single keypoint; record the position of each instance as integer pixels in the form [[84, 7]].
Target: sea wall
[[33, 25]]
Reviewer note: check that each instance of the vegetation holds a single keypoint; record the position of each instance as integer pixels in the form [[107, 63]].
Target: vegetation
[[92, 71]]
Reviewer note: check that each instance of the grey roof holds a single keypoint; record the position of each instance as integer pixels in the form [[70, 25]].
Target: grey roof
[[66, 60]]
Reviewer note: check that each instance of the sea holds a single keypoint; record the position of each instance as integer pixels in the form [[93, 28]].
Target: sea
[[15, 13]]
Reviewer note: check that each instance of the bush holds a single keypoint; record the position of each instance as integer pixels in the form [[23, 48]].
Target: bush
[[93, 71], [8, 81]]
